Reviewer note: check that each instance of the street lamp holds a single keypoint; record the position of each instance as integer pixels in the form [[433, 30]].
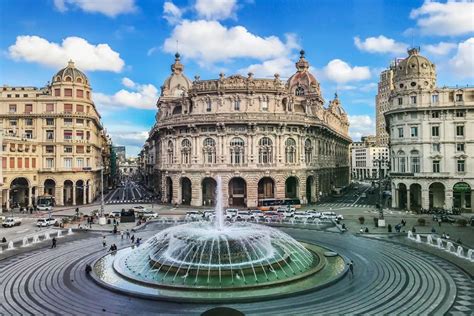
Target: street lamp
[[380, 161], [102, 220]]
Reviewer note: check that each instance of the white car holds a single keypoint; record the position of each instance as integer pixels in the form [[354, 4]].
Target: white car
[[315, 213], [44, 207], [11, 221], [209, 214], [331, 215], [45, 222], [149, 214], [285, 212], [230, 213], [257, 214], [244, 215], [303, 215], [115, 214], [193, 215]]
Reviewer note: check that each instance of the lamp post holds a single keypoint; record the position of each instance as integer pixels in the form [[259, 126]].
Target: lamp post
[[380, 161], [102, 220]]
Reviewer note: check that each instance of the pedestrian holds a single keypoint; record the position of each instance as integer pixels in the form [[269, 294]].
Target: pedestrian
[[128, 234], [351, 267], [413, 230], [4, 239], [53, 244], [121, 234], [447, 236], [439, 222], [115, 229], [132, 238], [104, 242], [366, 230]]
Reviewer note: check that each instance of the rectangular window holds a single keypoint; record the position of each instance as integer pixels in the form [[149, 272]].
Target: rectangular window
[[49, 121], [49, 149], [79, 93], [68, 92], [12, 108], [435, 114], [413, 115], [12, 162], [67, 134], [80, 108], [400, 101], [49, 107], [458, 97], [434, 98], [435, 131], [237, 105], [459, 113], [402, 164], [50, 135], [80, 135], [13, 123], [4, 163], [436, 166], [49, 163], [28, 108], [57, 92], [80, 162], [460, 147], [68, 121], [68, 108], [265, 105], [33, 163], [88, 162], [461, 166], [68, 149], [400, 132], [415, 164], [28, 134], [88, 94], [80, 122], [414, 131], [436, 147], [19, 163], [88, 135], [460, 130], [208, 106], [68, 163], [413, 99], [80, 149], [27, 163], [28, 122]]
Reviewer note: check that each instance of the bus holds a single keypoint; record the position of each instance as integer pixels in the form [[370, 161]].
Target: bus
[[45, 202], [272, 204]]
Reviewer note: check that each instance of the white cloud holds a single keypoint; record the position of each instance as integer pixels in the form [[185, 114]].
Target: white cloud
[[171, 12], [127, 82], [208, 42], [341, 72], [380, 44], [361, 125], [216, 9], [88, 57], [463, 63], [141, 96], [445, 19], [440, 49], [134, 139], [283, 66], [110, 8], [151, 51]]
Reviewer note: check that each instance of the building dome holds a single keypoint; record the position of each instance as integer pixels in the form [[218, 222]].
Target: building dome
[[70, 74], [415, 72], [177, 84], [303, 82]]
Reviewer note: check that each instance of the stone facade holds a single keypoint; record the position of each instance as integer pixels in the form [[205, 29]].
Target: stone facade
[[369, 161], [431, 139], [265, 138], [53, 142]]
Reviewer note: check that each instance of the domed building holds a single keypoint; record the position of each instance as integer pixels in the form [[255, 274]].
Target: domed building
[[53, 142], [269, 140], [431, 138]]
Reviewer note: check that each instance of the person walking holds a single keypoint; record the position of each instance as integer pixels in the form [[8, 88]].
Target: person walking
[[104, 242], [128, 234], [132, 238], [351, 267], [53, 244], [121, 234]]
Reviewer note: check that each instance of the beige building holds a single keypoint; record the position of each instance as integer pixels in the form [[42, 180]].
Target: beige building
[[431, 138], [266, 138], [369, 161], [382, 105], [53, 142]]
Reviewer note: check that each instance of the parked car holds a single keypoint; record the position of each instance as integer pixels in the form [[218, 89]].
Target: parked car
[[331, 215], [315, 213], [114, 214], [272, 215], [11, 221], [303, 216], [257, 214], [45, 222], [194, 215], [444, 218], [244, 215], [139, 208], [286, 212], [230, 213], [209, 214], [149, 214]]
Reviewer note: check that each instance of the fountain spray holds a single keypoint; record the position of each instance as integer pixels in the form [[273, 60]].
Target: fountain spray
[[219, 211]]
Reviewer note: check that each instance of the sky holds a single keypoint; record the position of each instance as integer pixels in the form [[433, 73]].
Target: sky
[[126, 47]]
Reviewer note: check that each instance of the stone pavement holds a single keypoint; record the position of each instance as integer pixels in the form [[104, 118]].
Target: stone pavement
[[389, 279]]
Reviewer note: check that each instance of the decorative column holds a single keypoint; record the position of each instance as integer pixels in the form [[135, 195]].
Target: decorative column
[[408, 200], [30, 196], [425, 199], [394, 197], [74, 194], [84, 193], [472, 200], [7, 199], [448, 199], [58, 195]]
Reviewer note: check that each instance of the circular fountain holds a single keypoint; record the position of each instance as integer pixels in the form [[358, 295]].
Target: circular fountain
[[204, 261]]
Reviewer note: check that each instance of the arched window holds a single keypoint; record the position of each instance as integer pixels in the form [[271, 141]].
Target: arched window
[[186, 151], [415, 161], [290, 150], [170, 152], [209, 150], [237, 151], [401, 162], [299, 91], [308, 151], [79, 80], [177, 110], [208, 105], [265, 150]]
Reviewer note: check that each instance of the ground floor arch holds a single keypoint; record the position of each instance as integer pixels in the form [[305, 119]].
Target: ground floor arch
[[402, 196], [462, 195], [80, 191], [415, 196], [310, 190], [237, 192], [209, 186], [19, 192], [68, 192], [266, 188], [49, 187], [291, 188], [169, 190], [186, 192], [436, 195]]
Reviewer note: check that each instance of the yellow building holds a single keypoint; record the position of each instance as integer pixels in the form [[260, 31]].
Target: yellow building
[[53, 141]]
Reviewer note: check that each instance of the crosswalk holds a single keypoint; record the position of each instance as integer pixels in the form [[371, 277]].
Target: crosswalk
[[343, 205], [128, 201]]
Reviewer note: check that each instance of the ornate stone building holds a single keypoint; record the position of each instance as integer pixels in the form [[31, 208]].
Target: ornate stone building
[[265, 138], [53, 143], [431, 138]]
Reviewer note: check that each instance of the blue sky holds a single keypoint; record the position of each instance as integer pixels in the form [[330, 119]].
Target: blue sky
[[126, 47]]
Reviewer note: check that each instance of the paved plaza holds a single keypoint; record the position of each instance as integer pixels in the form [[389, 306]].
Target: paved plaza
[[389, 278]]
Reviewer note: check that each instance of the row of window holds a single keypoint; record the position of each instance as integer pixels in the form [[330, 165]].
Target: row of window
[[68, 93], [19, 163], [434, 131], [49, 122], [68, 135], [50, 149], [415, 166], [68, 163], [434, 99], [49, 108]]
